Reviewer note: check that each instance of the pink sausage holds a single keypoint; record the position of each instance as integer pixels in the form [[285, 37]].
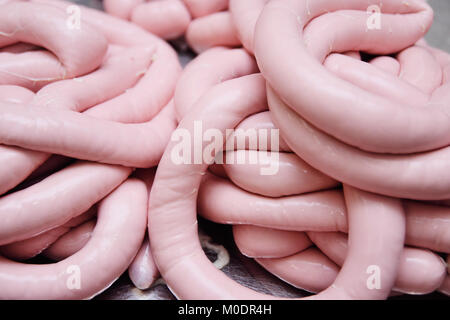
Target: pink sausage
[[369, 212], [55, 200], [375, 80], [200, 8], [173, 228], [173, 233], [257, 242], [29, 22], [82, 93], [19, 47], [167, 19], [17, 69], [143, 270], [352, 54], [330, 109], [78, 95], [318, 211], [420, 271], [426, 226], [427, 179], [156, 87], [245, 14], [71, 242], [444, 60], [426, 75], [203, 72], [333, 244], [293, 176], [214, 30], [17, 162], [387, 64], [121, 9], [121, 220], [105, 141], [308, 270], [260, 122], [445, 287], [88, 215], [53, 164], [27, 161], [15, 94], [283, 254], [429, 226], [29, 248]]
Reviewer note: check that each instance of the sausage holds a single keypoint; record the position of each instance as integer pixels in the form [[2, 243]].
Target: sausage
[[294, 176], [106, 141], [309, 270], [216, 29], [202, 73], [318, 211], [167, 19], [429, 226], [27, 161], [29, 248], [17, 162], [325, 211], [375, 80], [143, 271], [161, 77], [176, 248], [258, 242], [445, 287], [122, 8], [34, 210], [420, 271], [81, 93], [245, 14], [122, 213], [43, 215], [28, 22], [77, 95], [381, 173], [393, 134], [331, 178], [200, 8], [71, 242], [260, 124]]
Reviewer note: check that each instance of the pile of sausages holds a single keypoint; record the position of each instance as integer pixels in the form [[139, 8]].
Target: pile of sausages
[[100, 94], [358, 208], [205, 23]]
